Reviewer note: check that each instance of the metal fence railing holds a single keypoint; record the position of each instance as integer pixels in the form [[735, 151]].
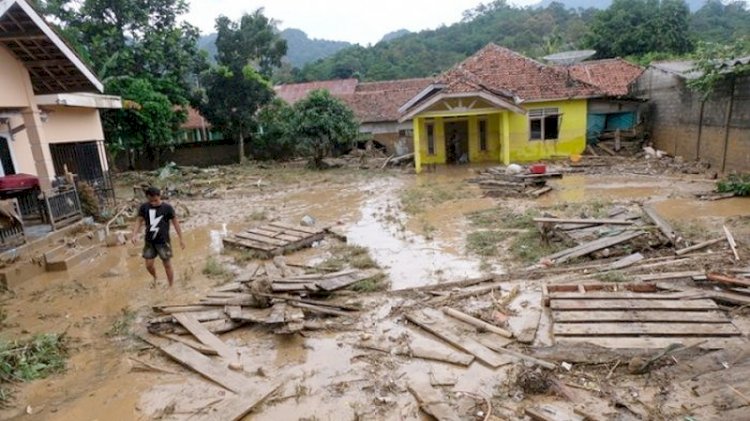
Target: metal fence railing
[[63, 208]]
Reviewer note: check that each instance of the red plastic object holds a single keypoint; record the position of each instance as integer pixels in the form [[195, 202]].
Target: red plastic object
[[17, 182], [538, 169]]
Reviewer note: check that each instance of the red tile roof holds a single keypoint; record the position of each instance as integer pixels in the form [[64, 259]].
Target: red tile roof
[[612, 76], [507, 73], [195, 120], [379, 101], [294, 92]]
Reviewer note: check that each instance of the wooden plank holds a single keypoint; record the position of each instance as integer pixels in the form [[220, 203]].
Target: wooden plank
[[278, 314], [583, 221], [237, 300], [640, 328], [280, 235], [247, 244], [282, 287], [666, 275], [236, 408], [319, 303], [252, 315], [592, 246], [230, 287], [720, 296], [432, 401], [322, 310], [298, 228], [648, 342], [514, 355], [213, 370], [464, 343], [203, 349], [727, 280], [261, 239], [621, 295], [332, 284], [687, 305], [477, 323], [232, 311], [732, 243], [285, 270], [664, 226], [202, 334], [440, 353], [624, 262], [698, 246], [598, 316]]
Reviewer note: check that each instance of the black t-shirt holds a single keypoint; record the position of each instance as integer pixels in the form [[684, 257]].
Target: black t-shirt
[[157, 222]]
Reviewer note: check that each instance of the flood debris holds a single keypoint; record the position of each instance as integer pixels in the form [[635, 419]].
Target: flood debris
[[275, 238], [497, 182]]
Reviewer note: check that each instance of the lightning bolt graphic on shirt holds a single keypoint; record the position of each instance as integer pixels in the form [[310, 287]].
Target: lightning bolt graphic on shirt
[[154, 222]]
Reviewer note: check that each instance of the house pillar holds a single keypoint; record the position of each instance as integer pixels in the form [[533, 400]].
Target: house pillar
[[417, 124], [505, 138], [40, 152]]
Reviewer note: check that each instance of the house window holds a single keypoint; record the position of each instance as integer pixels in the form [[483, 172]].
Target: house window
[[544, 123], [430, 139], [483, 135]]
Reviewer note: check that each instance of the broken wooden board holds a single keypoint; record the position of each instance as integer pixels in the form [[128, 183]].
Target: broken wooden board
[[588, 248], [477, 323], [512, 356], [236, 408], [203, 349], [204, 336], [440, 353], [432, 401], [600, 316], [581, 221], [634, 304], [208, 368], [252, 315], [698, 246], [650, 342], [275, 238], [623, 263], [333, 283], [320, 309], [278, 314], [438, 327], [664, 226], [645, 329]]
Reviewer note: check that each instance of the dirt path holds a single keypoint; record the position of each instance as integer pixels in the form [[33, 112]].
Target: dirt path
[[329, 377]]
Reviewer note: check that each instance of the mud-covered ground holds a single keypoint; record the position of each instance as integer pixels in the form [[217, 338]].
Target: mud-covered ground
[[422, 230]]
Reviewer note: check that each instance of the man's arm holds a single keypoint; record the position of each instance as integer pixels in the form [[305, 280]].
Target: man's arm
[[178, 230], [136, 229]]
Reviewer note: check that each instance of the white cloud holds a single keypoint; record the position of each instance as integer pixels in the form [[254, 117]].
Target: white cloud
[[346, 20]]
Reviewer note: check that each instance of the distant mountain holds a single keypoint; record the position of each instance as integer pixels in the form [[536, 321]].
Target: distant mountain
[[603, 4], [394, 35], [301, 49]]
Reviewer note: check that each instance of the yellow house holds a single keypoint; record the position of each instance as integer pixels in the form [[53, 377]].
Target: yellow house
[[499, 106]]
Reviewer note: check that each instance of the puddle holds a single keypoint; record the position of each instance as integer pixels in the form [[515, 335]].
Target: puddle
[[689, 209], [581, 188], [409, 258]]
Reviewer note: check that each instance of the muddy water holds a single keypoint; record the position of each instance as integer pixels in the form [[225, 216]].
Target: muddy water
[[689, 209], [581, 188]]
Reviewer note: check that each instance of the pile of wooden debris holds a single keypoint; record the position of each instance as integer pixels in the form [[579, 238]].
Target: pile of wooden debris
[[496, 182]]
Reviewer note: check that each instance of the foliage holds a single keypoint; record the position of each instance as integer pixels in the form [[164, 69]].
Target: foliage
[[237, 87], [32, 359], [145, 42], [322, 124], [374, 284], [347, 255], [121, 325], [739, 184], [214, 268], [529, 247], [273, 139], [713, 61], [721, 22], [485, 243], [418, 198]]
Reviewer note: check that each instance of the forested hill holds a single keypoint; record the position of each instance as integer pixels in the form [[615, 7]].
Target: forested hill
[[628, 28], [602, 4], [301, 49]]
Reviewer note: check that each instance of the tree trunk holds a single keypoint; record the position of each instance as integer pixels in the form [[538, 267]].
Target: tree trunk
[[241, 147]]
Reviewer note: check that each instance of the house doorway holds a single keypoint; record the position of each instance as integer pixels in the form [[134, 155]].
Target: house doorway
[[457, 142], [7, 166]]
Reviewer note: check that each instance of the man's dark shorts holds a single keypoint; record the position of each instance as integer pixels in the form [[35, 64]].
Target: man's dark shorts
[[164, 251]]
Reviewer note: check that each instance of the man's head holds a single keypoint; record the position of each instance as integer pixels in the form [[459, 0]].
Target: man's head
[[153, 195]]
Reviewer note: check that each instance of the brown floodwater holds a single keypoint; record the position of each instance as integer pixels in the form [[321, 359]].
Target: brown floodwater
[[682, 209]]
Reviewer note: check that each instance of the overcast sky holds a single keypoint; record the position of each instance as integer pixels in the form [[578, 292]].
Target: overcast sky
[[358, 21]]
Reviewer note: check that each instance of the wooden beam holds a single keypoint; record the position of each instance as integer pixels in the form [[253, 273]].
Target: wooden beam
[[584, 221], [478, 323], [19, 36], [641, 328], [202, 334], [236, 408], [432, 401], [599, 316], [698, 246], [664, 226], [685, 305]]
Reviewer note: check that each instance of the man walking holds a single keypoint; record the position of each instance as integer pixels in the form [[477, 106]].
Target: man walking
[[156, 215]]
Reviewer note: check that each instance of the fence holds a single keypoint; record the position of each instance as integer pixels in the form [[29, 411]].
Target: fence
[[63, 208], [85, 160]]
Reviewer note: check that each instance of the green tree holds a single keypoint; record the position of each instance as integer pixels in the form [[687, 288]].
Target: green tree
[[141, 40], [274, 139], [238, 86], [321, 124], [717, 63]]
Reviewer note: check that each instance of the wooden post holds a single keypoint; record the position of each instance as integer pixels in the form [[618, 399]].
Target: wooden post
[[505, 147], [241, 145], [700, 130], [727, 122], [417, 124]]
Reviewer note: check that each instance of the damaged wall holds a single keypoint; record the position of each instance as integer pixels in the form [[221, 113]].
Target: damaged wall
[[197, 154], [681, 123]]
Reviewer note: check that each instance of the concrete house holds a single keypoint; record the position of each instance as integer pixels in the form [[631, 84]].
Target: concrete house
[[682, 122], [499, 106], [49, 105]]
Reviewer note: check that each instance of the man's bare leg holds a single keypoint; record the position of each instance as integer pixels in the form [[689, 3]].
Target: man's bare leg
[[169, 270], [151, 269]]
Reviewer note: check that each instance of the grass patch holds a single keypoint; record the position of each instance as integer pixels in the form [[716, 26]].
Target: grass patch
[[374, 284], [692, 230], [503, 218], [529, 247], [214, 268], [357, 257], [484, 243], [613, 276], [418, 198], [121, 326], [597, 208], [32, 359], [739, 184], [258, 215]]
